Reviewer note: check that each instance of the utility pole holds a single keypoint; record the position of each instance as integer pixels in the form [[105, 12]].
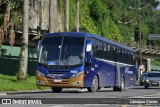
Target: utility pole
[[140, 34]]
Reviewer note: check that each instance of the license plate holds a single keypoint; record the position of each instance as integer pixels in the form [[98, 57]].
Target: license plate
[[57, 80]]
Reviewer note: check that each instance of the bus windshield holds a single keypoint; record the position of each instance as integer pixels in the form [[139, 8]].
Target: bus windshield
[[61, 51]]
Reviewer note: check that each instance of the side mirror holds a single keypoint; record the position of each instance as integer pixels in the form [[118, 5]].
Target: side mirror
[[38, 45], [89, 46]]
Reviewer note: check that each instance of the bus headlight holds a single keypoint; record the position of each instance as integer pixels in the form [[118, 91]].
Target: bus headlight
[[40, 74], [77, 74]]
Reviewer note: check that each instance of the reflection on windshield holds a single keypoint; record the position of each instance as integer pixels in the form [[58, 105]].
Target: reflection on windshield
[[153, 75], [61, 51]]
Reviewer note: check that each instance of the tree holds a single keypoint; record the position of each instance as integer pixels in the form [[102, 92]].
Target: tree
[[51, 16], [77, 15], [67, 16], [10, 19], [55, 18], [22, 73]]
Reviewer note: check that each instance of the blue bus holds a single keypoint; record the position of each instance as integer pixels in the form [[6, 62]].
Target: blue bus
[[83, 60]]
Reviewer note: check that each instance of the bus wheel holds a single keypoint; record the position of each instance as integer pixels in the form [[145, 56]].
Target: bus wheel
[[122, 87], [99, 88], [115, 88], [56, 89], [146, 87], [95, 85]]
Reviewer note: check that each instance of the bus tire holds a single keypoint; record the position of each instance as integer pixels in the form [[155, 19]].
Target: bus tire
[[146, 87], [99, 88], [56, 89], [122, 87], [94, 87], [115, 88]]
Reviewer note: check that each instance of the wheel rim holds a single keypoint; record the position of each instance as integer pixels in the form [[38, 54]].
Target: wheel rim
[[122, 85], [95, 84]]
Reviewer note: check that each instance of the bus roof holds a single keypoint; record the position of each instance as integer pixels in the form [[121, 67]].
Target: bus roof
[[88, 35]]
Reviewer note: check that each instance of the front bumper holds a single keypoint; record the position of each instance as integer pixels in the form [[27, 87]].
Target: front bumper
[[66, 83]]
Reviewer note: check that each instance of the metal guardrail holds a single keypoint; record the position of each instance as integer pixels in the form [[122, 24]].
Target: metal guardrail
[[136, 46]]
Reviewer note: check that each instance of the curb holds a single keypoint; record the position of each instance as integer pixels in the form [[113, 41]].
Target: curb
[[21, 91], [2, 94], [28, 91]]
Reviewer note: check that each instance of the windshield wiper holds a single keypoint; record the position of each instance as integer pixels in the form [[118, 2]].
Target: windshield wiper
[[65, 56], [60, 50]]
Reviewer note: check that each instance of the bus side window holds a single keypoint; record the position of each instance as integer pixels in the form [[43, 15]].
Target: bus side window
[[129, 57], [133, 59], [109, 52], [93, 46], [100, 49], [97, 49], [92, 51], [112, 53], [123, 56], [104, 51], [117, 54]]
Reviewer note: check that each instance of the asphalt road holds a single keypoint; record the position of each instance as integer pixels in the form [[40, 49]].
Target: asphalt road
[[77, 97]]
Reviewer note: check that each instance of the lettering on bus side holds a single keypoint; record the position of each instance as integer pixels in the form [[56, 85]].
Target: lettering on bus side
[[127, 71]]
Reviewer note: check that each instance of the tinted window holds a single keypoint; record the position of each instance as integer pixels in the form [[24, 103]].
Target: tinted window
[[153, 75]]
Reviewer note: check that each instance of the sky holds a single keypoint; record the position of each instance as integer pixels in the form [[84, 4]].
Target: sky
[[159, 5]]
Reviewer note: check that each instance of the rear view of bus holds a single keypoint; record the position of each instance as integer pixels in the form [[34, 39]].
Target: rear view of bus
[[60, 61]]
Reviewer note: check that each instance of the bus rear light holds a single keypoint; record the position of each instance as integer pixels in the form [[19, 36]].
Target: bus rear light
[[131, 78]]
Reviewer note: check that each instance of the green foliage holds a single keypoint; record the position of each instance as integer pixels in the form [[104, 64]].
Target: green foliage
[[87, 24], [16, 5], [97, 10], [1, 19], [72, 15], [16, 8], [101, 17], [155, 62]]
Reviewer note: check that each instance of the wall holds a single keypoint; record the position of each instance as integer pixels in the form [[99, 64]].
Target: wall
[[9, 61]]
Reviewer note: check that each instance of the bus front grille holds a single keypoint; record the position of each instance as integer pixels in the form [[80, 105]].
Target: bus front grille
[[57, 72]]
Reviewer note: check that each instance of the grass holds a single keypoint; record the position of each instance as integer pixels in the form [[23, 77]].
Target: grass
[[10, 83], [155, 62]]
